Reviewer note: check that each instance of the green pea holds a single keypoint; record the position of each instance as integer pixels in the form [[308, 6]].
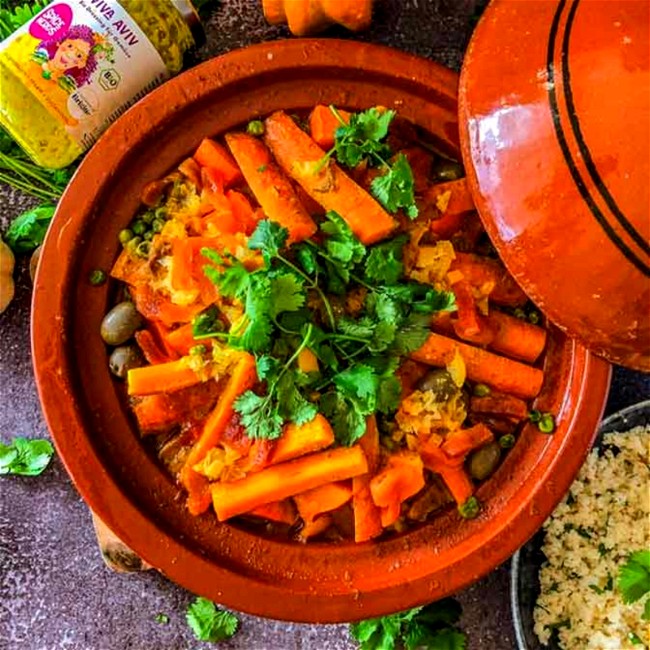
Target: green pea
[[255, 127], [160, 213], [139, 227], [546, 423], [143, 248], [469, 509], [147, 217], [133, 243], [507, 441], [481, 390], [533, 317], [148, 236], [97, 277], [519, 313], [158, 225], [125, 236]]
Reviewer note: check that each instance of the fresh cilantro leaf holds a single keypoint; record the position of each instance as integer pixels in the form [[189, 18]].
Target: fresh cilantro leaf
[[209, 623], [634, 577], [384, 262], [292, 405], [412, 334], [24, 457], [395, 189], [383, 336], [416, 628], [306, 258], [27, 231], [287, 294], [362, 137], [362, 327], [359, 384], [269, 237], [267, 367], [341, 243], [346, 420], [389, 394], [207, 324], [232, 280], [258, 416], [646, 611]]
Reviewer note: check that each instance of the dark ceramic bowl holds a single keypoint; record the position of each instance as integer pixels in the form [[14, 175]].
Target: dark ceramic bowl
[[526, 563], [90, 423]]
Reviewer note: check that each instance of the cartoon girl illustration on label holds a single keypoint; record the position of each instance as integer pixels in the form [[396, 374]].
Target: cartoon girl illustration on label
[[71, 59]]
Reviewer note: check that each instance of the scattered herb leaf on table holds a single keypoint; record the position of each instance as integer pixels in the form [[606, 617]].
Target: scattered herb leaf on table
[[24, 457]]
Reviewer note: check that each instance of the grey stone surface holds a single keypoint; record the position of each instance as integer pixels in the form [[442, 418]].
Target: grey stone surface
[[55, 592]]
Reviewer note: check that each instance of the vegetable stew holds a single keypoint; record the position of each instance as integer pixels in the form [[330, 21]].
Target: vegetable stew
[[315, 332]]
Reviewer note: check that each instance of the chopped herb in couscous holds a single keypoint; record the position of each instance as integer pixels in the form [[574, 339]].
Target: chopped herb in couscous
[[602, 521]]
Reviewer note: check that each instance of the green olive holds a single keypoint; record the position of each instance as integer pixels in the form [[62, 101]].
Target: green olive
[[123, 358], [120, 324], [440, 383], [447, 170], [484, 461]]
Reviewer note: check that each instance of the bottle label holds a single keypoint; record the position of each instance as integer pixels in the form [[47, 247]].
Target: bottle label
[[86, 61]]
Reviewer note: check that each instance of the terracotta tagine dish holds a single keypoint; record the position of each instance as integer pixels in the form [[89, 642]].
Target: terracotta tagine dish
[[554, 105], [88, 415]]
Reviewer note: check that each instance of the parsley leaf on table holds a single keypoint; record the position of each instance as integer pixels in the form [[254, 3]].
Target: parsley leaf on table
[[432, 627], [24, 457], [27, 231], [634, 577], [209, 623]]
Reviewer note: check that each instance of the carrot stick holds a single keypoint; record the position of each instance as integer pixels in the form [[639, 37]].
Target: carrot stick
[[298, 440], [182, 339], [400, 479], [503, 374], [161, 378], [282, 512], [150, 348], [457, 482], [307, 361], [198, 489], [243, 211], [462, 441], [500, 404], [272, 189], [153, 305], [301, 158], [501, 332], [323, 124], [130, 269], [242, 378], [479, 271], [286, 480], [367, 516], [324, 498], [517, 338], [467, 324], [214, 156]]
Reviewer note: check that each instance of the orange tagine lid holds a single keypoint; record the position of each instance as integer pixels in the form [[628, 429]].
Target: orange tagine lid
[[554, 106]]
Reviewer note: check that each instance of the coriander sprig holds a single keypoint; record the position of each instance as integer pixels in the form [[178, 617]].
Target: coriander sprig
[[362, 138]]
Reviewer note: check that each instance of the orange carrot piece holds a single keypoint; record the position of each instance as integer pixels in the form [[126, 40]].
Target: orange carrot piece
[[501, 405], [367, 516], [451, 197], [198, 489], [390, 514], [462, 441], [272, 189], [150, 348], [182, 340], [282, 512], [181, 271], [130, 269], [458, 483], [322, 499], [400, 479], [214, 156], [300, 439], [323, 124], [316, 527], [242, 378], [467, 324], [517, 338], [161, 378], [154, 413], [307, 361], [286, 480], [243, 211], [478, 270], [503, 374], [153, 305], [160, 332], [300, 158]]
